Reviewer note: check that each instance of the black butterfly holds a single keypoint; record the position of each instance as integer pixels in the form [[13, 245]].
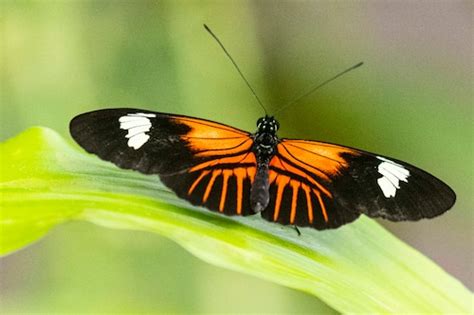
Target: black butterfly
[[298, 182]]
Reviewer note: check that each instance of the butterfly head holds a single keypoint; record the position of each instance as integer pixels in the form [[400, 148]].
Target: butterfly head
[[267, 124]]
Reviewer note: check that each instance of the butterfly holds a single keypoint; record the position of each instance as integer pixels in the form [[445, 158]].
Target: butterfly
[[289, 181], [296, 182]]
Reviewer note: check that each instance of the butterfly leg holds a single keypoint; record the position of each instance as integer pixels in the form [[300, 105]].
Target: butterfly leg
[[297, 230]]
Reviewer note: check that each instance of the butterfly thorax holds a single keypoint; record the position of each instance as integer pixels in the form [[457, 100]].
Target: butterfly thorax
[[265, 139], [264, 147]]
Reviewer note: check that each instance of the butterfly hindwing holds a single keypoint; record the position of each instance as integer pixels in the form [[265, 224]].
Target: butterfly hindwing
[[301, 191], [325, 185], [223, 187], [207, 163]]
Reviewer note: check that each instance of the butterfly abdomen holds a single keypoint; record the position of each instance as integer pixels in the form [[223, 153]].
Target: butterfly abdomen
[[260, 191]]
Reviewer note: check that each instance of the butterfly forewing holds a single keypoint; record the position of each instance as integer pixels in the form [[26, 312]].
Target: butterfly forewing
[[380, 186], [207, 163]]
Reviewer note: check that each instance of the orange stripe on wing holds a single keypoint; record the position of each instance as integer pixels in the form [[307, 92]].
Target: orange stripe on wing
[[281, 182], [309, 204], [240, 173], [196, 182], [225, 174], [294, 199], [210, 184], [251, 173], [321, 203]]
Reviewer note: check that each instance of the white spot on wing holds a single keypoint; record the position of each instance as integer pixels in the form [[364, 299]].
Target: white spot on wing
[[137, 130], [137, 124], [392, 173], [387, 187], [137, 141]]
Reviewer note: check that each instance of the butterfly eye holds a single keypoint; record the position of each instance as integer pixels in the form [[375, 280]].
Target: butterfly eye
[[259, 121], [277, 125]]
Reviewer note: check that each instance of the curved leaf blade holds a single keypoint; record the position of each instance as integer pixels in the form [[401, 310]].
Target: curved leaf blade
[[357, 268]]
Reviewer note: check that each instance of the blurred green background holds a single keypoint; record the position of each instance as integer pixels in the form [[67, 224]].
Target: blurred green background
[[412, 100]]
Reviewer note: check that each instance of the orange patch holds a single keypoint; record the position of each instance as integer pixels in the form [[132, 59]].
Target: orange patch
[[210, 184], [240, 173], [321, 203], [314, 156], [288, 167], [205, 137], [309, 204], [225, 174], [272, 176], [278, 163], [281, 182], [201, 128], [251, 173], [294, 199], [312, 163], [196, 182], [307, 150], [206, 147]]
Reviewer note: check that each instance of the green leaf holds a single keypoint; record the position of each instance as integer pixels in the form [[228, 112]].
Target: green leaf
[[358, 268]]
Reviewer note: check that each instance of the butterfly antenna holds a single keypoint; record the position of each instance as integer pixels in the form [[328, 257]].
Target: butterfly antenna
[[310, 91], [236, 66]]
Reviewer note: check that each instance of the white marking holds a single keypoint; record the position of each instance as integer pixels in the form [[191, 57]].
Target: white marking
[[129, 118], [136, 130], [392, 174], [387, 187], [137, 141], [137, 124]]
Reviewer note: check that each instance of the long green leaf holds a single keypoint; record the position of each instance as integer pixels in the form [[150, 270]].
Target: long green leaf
[[357, 268]]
